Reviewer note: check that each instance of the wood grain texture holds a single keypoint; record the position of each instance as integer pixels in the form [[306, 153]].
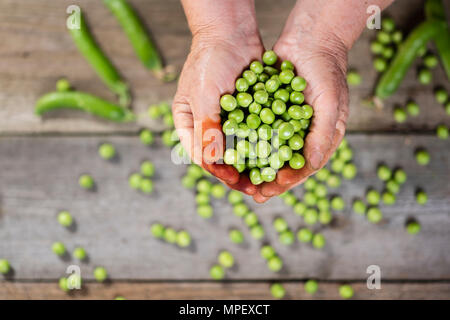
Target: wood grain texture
[[37, 50], [220, 291], [38, 178]]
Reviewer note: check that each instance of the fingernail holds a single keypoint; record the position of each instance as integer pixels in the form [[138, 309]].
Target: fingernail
[[316, 160]]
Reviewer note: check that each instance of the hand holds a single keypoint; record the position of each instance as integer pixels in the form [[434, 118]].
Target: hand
[[209, 72], [321, 58]]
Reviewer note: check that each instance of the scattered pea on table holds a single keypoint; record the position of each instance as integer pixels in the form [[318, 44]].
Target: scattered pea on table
[[65, 219], [100, 274], [277, 290]]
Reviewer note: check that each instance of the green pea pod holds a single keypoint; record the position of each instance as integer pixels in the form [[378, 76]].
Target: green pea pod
[[99, 61], [434, 9], [407, 53], [136, 33], [85, 102]]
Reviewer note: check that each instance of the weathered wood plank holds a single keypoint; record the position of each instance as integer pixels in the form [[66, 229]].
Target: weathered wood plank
[[38, 177], [220, 291], [37, 50]]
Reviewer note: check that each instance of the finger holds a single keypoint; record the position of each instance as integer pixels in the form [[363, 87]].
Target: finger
[[243, 185], [184, 123], [259, 198]]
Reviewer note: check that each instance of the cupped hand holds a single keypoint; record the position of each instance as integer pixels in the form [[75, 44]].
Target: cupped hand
[[320, 58], [209, 72]]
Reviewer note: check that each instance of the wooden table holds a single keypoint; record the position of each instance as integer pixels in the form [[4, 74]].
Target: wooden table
[[40, 162]]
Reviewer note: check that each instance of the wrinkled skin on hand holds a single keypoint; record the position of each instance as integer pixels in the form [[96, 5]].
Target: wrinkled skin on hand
[[322, 61], [210, 71]]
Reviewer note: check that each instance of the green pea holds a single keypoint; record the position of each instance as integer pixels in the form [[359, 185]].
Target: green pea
[[297, 127], [310, 198], [251, 219], [380, 64], [107, 151], [413, 227], [262, 162], [263, 77], [421, 197], [235, 197], [157, 230], [285, 153], [267, 252], [250, 76], [202, 198], [282, 94], [4, 266], [298, 83], [311, 286], [374, 215], [296, 97], [168, 120], [228, 102], [257, 232], [286, 76], [265, 132], [280, 225], [269, 57], [79, 253], [63, 85], [397, 37], [261, 96], [311, 216], [388, 53], [236, 236], [388, 24], [204, 186], [272, 85], [147, 169], [322, 174], [430, 61], [376, 47], [447, 108], [388, 198], [164, 108], [400, 176], [286, 131], [253, 121], [278, 107], [187, 181], [392, 186], [359, 207], [58, 248], [146, 137], [349, 171], [252, 136], [244, 99], [321, 191], [305, 235], [259, 86], [384, 37], [323, 204], [333, 181], [337, 203], [441, 96], [300, 208], [425, 76], [169, 138], [346, 291], [65, 219], [205, 211], [119, 298], [290, 199], [154, 112], [254, 108], [353, 78], [373, 197], [226, 259], [231, 157], [135, 180], [237, 115], [287, 65], [263, 149], [304, 123], [86, 181], [240, 209], [325, 217], [297, 161], [337, 165], [413, 108], [268, 174], [275, 264], [217, 272], [218, 191], [400, 115], [345, 154], [275, 161], [422, 157], [256, 67], [146, 186], [286, 237], [318, 241], [277, 291], [442, 132]]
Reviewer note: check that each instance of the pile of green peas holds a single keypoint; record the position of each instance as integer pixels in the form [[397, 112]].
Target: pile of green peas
[[266, 120], [181, 238], [386, 44], [142, 180], [241, 210], [226, 261]]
